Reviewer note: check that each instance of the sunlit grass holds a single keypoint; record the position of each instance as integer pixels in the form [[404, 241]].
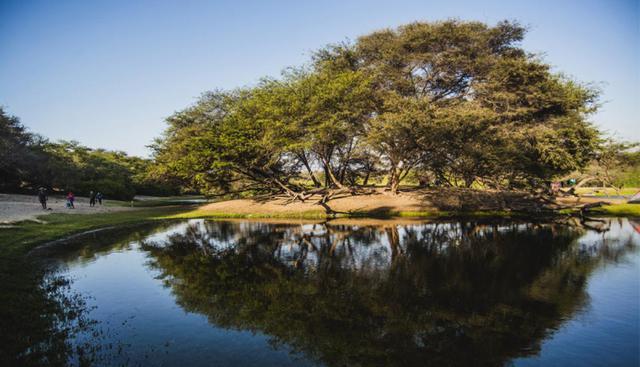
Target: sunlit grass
[[200, 213], [151, 203], [608, 191], [318, 214], [22, 236], [619, 210]]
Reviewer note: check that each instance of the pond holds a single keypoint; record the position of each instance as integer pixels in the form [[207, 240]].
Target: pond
[[355, 293]]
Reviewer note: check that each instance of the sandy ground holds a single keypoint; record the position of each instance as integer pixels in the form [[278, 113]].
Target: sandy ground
[[385, 202], [15, 207], [381, 202]]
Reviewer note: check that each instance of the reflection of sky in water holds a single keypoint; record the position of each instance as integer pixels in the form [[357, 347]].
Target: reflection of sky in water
[[607, 333], [141, 318]]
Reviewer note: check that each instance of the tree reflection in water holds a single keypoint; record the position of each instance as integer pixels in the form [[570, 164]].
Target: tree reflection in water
[[43, 322], [460, 293]]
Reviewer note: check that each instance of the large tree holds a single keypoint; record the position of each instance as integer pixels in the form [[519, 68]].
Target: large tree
[[479, 106], [459, 102]]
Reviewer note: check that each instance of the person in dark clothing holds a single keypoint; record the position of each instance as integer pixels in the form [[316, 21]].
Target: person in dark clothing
[[92, 198], [42, 197], [99, 198]]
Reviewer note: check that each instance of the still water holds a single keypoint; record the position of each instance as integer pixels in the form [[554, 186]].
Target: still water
[[358, 293]]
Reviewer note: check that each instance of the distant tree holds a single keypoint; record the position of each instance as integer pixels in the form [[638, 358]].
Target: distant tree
[[27, 161], [613, 161], [21, 154]]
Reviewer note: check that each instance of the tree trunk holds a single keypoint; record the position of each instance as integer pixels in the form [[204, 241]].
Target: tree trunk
[[332, 177], [345, 162], [395, 176], [327, 181], [304, 161], [468, 181], [395, 185], [394, 181], [366, 178]]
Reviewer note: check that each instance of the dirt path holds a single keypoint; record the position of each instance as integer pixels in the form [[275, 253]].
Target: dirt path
[[15, 207]]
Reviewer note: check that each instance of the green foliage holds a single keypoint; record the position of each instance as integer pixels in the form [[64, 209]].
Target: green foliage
[[21, 152], [617, 164], [28, 161], [450, 103]]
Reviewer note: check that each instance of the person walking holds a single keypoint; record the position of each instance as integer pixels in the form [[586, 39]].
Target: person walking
[[92, 198], [42, 197], [70, 199], [99, 197]]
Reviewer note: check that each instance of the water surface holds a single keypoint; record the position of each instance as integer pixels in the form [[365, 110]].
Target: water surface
[[350, 293]]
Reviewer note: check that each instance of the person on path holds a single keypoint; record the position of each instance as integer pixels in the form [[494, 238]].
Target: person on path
[[92, 198], [42, 197], [99, 197], [70, 199]]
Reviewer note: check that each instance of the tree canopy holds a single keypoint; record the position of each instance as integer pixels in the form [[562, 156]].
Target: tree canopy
[[453, 103], [28, 160]]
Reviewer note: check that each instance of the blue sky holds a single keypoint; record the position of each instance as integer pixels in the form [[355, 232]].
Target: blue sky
[[107, 73]]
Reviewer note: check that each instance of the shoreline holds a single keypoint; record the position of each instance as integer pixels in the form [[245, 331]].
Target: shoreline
[[21, 237], [416, 204], [614, 210]]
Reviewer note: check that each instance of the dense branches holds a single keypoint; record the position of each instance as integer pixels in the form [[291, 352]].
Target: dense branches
[[454, 103]]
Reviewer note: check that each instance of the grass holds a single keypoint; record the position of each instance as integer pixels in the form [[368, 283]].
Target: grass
[[152, 203], [618, 210], [318, 214], [613, 210], [603, 192], [199, 213], [23, 236]]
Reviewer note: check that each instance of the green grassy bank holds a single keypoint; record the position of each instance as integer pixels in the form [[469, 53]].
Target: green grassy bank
[[618, 210], [606, 191], [313, 214], [155, 202], [621, 210], [20, 237]]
